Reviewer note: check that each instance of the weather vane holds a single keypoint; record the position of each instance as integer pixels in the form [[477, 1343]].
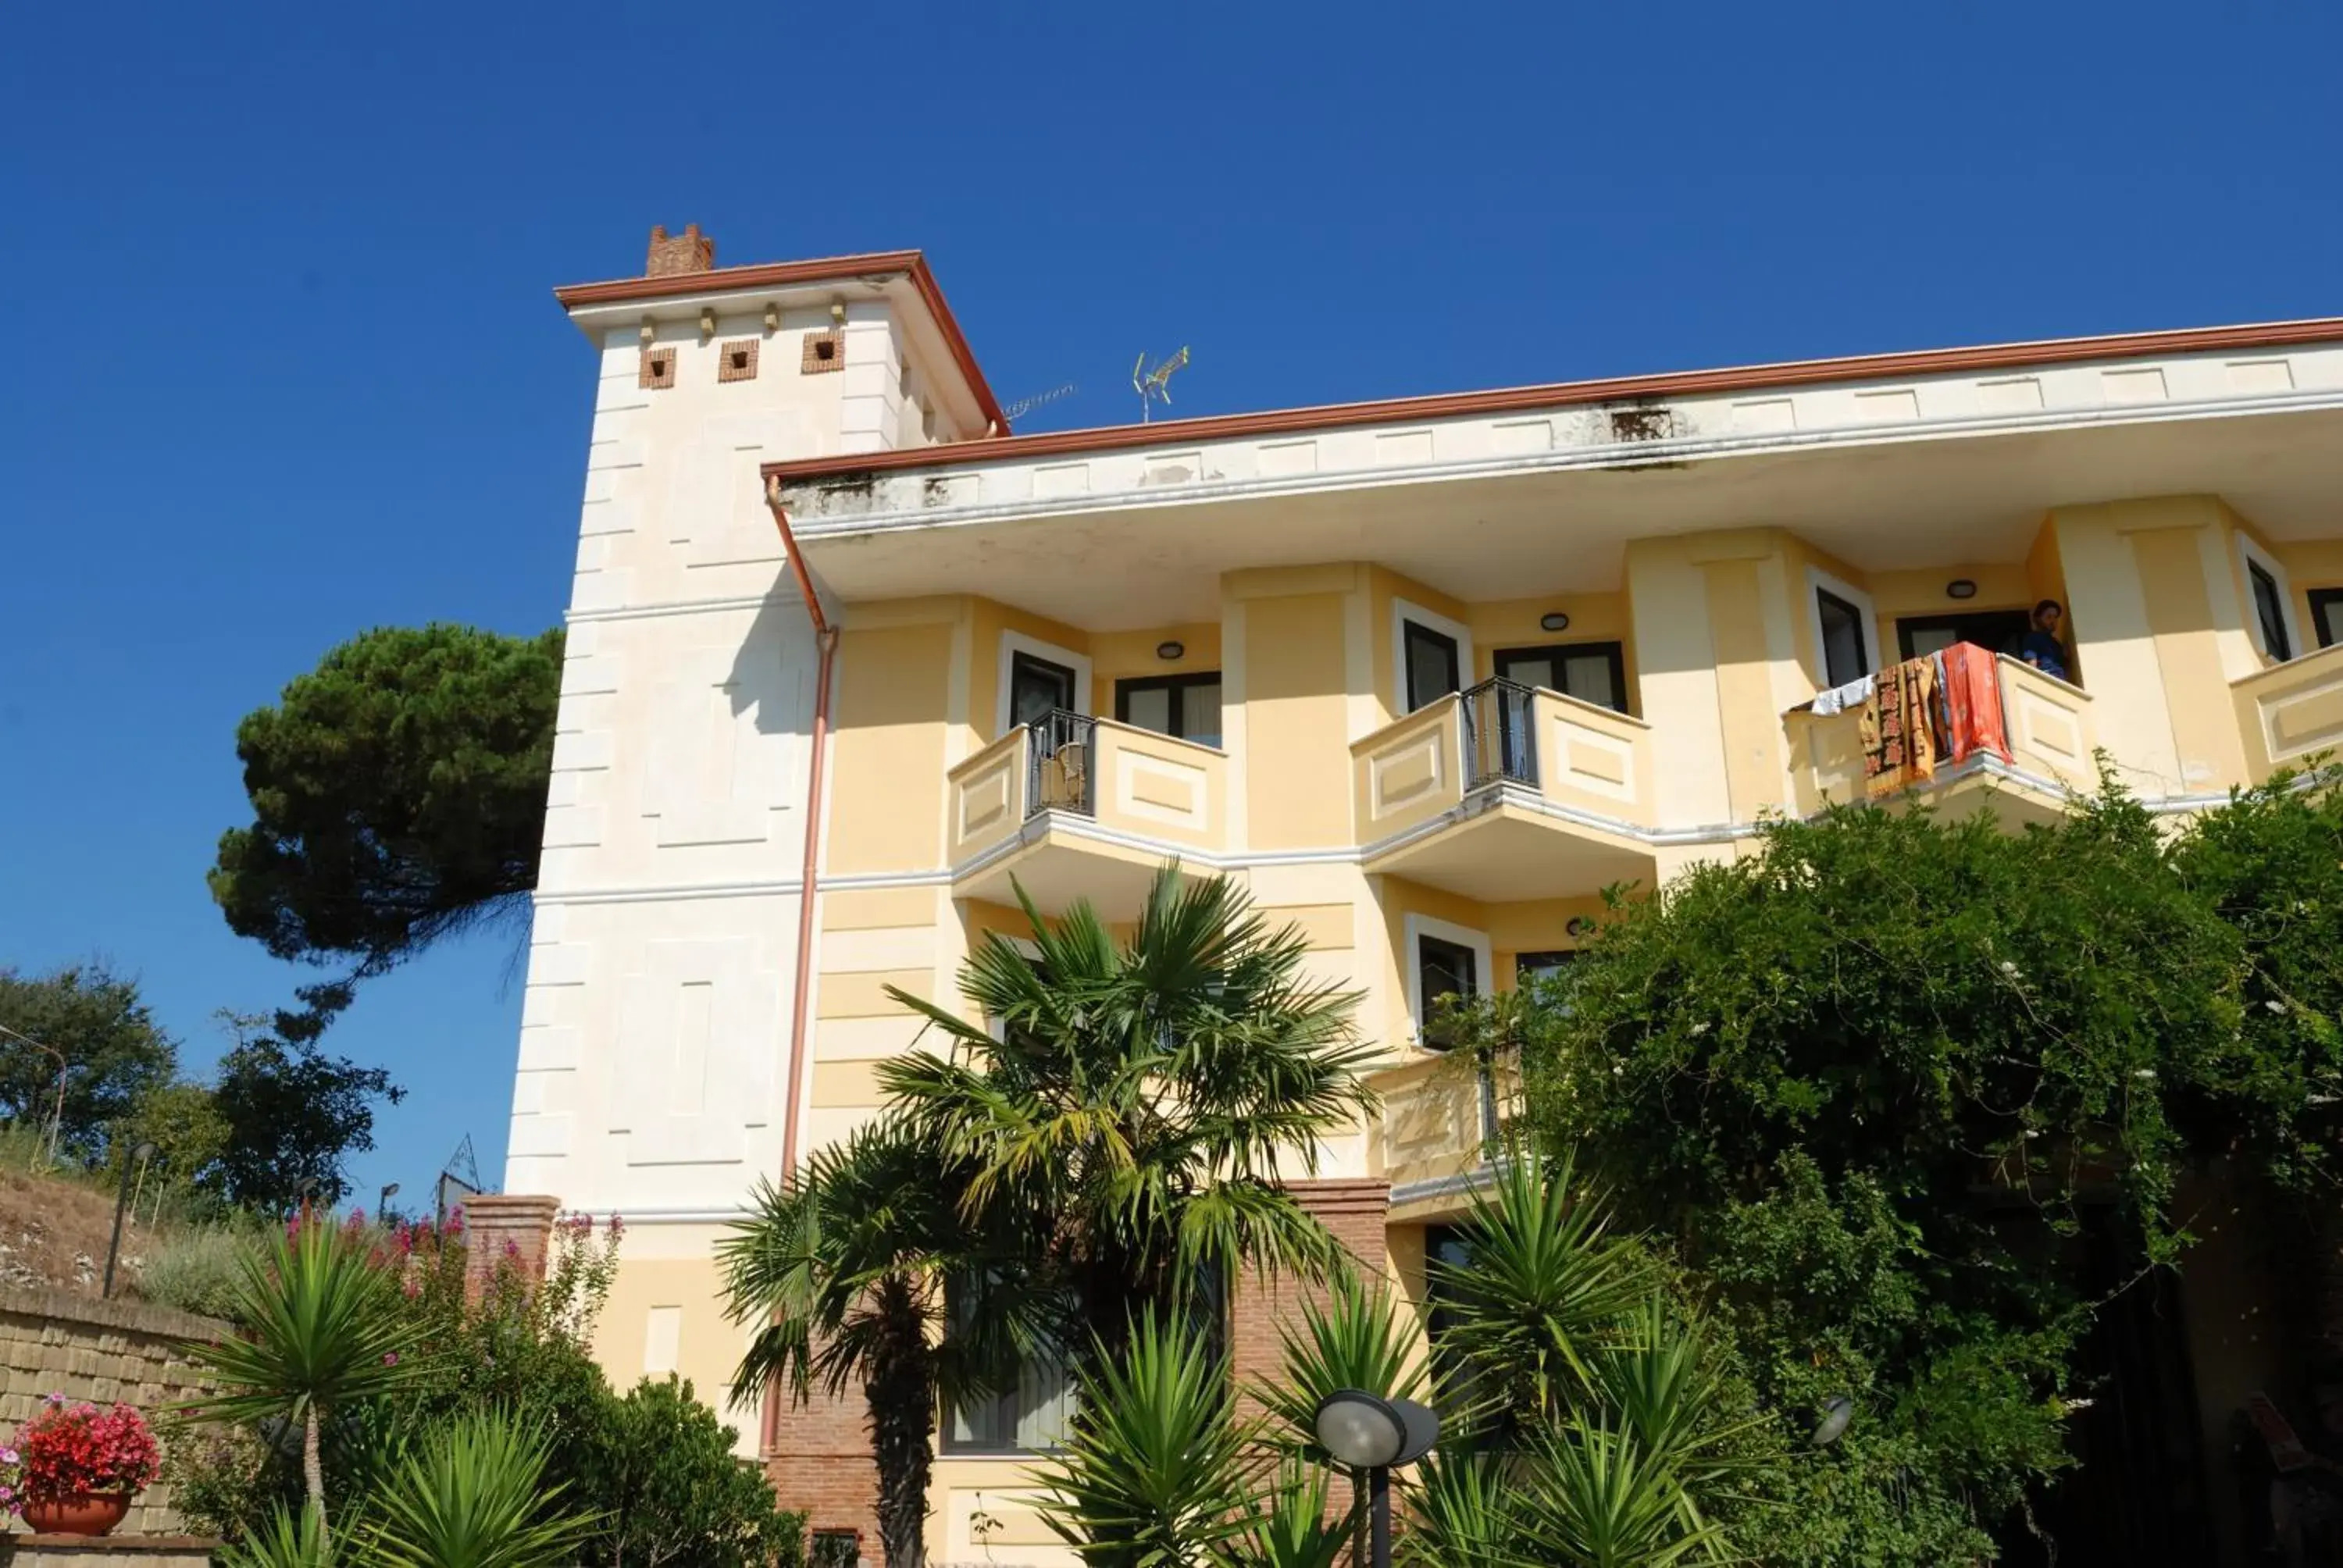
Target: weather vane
[[1153, 385]]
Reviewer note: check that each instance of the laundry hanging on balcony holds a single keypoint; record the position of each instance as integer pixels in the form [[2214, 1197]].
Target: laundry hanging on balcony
[[1970, 680], [1943, 706], [1898, 728]]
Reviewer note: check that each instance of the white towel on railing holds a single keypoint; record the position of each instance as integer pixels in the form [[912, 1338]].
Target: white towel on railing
[[1839, 698]]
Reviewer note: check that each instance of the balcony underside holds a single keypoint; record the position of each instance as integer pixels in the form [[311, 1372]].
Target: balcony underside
[[1502, 850], [1060, 864]]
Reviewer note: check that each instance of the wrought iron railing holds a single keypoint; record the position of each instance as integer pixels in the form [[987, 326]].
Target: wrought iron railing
[[1062, 764], [1500, 741]]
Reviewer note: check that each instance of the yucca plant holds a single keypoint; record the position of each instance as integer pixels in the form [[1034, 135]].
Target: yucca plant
[[473, 1496], [1663, 1384], [1465, 1511], [1291, 1530], [1593, 1496], [283, 1540], [1159, 1471], [321, 1329], [1353, 1341], [1545, 1287]]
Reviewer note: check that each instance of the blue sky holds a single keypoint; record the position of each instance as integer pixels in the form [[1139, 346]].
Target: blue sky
[[287, 366]]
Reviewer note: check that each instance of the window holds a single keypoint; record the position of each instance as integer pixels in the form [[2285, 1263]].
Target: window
[[2269, 610], [2326, 615], [1444, 1248], [1847, 653], [1031, 1417], [1432, 665], [1187, 706], [1994, 630], [1593, 672], [1528, 967], [1036, 687], [1442, 969]]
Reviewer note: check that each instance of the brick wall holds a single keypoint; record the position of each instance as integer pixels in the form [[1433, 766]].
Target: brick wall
[[818, 1460], [57, 1342], [1355, 1210]]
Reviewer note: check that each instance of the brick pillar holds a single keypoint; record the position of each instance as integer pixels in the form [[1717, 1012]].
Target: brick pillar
[[818, 1462], [499, 1227], [1355, 1210]]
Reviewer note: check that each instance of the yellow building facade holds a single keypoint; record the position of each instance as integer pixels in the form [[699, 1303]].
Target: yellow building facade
[[1425, 676]]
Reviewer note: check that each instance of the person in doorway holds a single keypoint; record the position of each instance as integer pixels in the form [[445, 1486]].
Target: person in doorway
[[2041, 649]]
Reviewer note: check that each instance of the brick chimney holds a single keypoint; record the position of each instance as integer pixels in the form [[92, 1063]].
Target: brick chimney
[[690, 251]]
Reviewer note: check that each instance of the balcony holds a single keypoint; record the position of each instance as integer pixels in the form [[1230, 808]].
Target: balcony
[[1441, 1117], [2291, 713], [2046, 722], [1506, 792], [1073, 807]]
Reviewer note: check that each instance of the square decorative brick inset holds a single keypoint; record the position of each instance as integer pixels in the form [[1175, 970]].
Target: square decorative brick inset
[[737, 360], [659, 368], [824, 351]]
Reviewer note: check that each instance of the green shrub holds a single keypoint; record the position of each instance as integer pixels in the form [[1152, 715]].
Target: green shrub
[[196, 1269], [662, 1467]]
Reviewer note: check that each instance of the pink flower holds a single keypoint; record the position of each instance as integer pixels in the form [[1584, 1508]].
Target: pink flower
[[390, 1358]]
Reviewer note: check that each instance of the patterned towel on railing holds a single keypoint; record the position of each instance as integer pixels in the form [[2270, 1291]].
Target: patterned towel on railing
[[1899, 743]]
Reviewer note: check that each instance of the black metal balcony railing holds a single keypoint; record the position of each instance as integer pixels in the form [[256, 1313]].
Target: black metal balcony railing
[[1500, 745], [1062, 764]]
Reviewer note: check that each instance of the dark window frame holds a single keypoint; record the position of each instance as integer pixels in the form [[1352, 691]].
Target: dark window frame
[[1020, 660], [1468, 969], [2277, 642], [1862, 638], [1176, 683], [2323, 600], [1905, 625], [1615, 652], [1542, 961], [1409, 630]]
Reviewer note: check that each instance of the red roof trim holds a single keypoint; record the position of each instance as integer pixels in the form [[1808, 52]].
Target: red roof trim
[[1746, 378], [784, 274]]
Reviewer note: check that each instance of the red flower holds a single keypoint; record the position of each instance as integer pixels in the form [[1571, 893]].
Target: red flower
[[72, 1448]]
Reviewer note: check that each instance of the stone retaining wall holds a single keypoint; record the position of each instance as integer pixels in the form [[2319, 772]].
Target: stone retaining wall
[[60, 1341]]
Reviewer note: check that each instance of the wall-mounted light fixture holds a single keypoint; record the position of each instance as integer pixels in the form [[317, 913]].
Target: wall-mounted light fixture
[[773, 317], [648, 333], [1961, 587], [837, 313], [707, 324], [1554, 620], [1579, 926], [1170, 651]]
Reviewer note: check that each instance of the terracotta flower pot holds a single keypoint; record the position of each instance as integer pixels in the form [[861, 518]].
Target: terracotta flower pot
[[84, 1514]]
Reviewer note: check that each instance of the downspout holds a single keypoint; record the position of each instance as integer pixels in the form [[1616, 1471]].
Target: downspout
[[826, 641], [826, 635]]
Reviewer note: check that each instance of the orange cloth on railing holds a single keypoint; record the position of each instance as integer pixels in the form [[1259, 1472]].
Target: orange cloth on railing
[[1972, 703], [1899, 740]]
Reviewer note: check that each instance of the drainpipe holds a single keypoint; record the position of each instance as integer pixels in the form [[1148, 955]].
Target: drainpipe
[[826, 640], [826, 635]]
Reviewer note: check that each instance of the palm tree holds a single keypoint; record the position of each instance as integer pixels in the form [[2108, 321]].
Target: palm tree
[[323, 1330], [1137, 1105], [862, 1272]]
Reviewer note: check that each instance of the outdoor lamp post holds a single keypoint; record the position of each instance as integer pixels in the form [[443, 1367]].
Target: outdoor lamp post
[[1370, 1433], [382, 1201], [121, 1200]]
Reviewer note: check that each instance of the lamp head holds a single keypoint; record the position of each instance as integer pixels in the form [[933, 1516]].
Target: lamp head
[[1367, 1432]]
